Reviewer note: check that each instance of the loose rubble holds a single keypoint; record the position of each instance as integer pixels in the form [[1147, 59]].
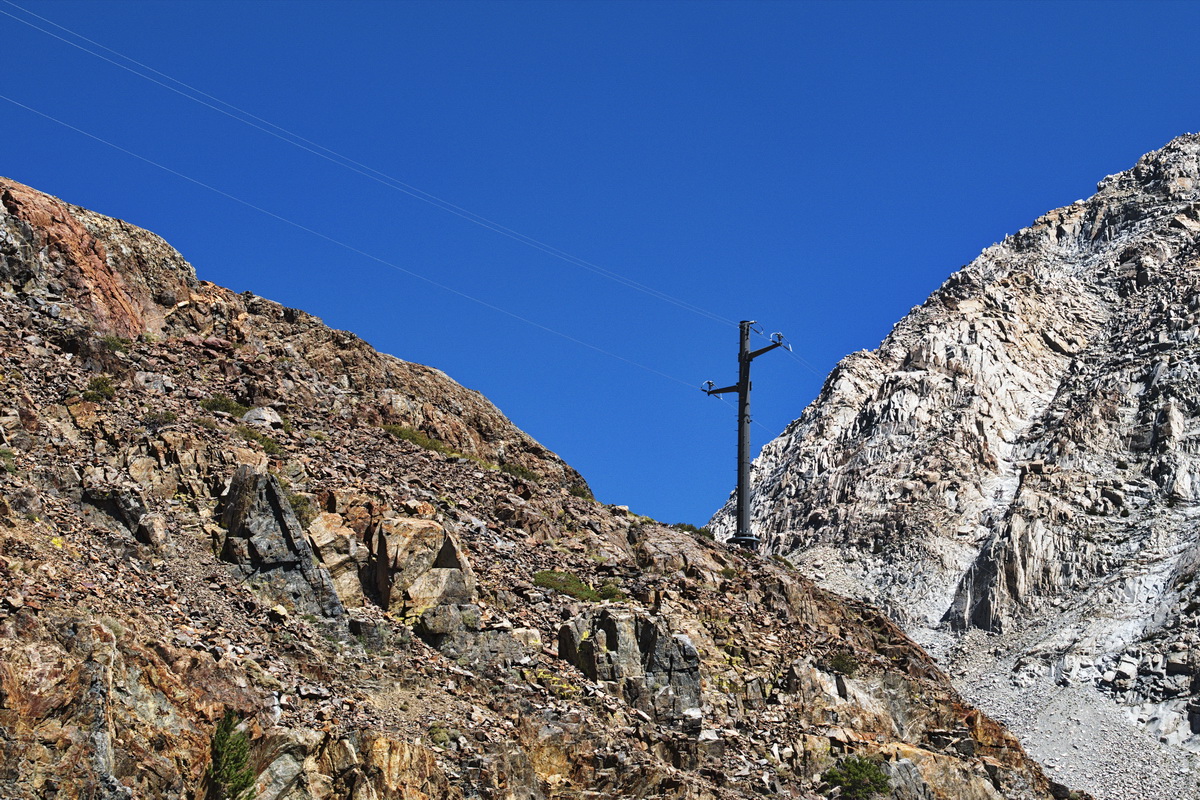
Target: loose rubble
[[212, 502]]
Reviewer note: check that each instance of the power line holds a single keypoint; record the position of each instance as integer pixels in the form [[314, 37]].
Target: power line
[[346, 162], [296, 140], [348, 246], [804, 363]]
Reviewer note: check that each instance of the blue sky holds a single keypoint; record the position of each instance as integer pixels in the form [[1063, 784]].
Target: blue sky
[[819, 167]]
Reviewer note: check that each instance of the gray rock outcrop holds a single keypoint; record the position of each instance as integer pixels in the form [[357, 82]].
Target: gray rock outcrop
[[1020, 456], [655, 669], [265, 540]]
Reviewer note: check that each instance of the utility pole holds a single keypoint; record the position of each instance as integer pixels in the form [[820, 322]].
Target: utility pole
[[743, 536]]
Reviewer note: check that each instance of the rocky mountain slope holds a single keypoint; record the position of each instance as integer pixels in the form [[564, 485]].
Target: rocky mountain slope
[[211, 503], [1019, 460]]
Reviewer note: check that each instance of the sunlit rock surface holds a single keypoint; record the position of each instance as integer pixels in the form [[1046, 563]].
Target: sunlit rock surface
[[1020, 457]]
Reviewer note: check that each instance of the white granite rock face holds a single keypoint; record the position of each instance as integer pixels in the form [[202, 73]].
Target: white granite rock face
[[1021, 455]]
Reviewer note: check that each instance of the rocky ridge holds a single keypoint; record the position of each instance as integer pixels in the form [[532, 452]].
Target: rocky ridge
[[209, 502], [1019, 457]]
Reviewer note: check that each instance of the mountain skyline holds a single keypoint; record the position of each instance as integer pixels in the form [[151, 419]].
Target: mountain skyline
[[820, 168]]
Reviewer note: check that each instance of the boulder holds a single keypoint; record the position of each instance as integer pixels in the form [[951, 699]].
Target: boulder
[[419, 564], [125, 510], [263, 418], [342, 554], [267, 544]]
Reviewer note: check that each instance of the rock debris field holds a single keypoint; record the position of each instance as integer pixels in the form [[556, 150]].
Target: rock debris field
[[211, 503]]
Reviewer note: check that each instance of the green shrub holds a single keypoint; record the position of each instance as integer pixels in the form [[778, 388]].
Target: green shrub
[[229, 774], [844, 662], [223, 403], [115, 344], [8, 460], [442, 736], [580, 490], [570, 584], [269, 445], [302, 504], [517, 471], [687, 527], [728, 573], [859, 778], [609, 590], [207, 422], [100, 388], [418, 438]]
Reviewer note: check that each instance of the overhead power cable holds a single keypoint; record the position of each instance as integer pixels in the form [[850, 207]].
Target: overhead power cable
[[298, 141], [348, 246]]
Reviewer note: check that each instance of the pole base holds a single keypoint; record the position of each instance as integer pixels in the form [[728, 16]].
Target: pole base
[[746, 540]]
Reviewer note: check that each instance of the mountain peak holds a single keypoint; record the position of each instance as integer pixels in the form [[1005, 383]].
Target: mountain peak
[[1017, 456]]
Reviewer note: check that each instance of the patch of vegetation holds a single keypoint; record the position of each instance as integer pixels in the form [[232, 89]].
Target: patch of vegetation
[[100, 388], [517, 471], [115, 344], [8, 460], [157, 419], [223, 403], [207, 422], [305, 508], [580, 490], [859, 779], [569, 583], [229, 774], [555, 682], [729, 573], [442, 736], [269, 445], [609, 590], [419, 439], [302, 504], [843, 662], [701, 532]]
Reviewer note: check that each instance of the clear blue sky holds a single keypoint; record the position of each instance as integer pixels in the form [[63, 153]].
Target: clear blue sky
[[820, 167]]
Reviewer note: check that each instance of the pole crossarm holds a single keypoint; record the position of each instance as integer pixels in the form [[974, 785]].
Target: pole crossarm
[[744, 536], [759, 352]]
